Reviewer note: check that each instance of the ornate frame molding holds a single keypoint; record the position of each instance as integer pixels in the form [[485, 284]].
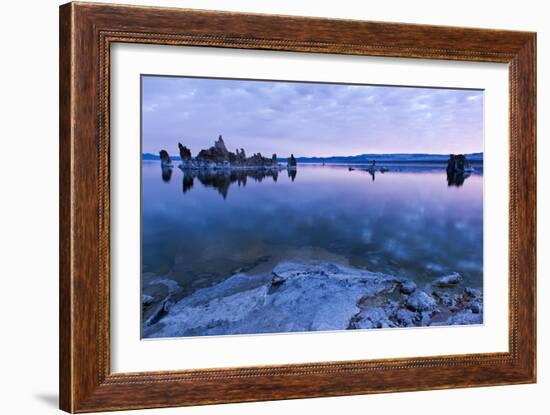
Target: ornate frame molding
[[86, 33]]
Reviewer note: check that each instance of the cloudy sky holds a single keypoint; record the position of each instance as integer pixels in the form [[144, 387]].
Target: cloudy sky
[[308, 119]]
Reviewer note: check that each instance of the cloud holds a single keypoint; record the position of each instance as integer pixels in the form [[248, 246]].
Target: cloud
[[309, 118], [150, 107]]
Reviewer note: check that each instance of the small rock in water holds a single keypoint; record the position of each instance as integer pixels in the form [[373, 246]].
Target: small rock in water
[[390, 307], [165, 159], [276, 282], [464, 317], [420, 301], [160, 311], [475, 306], [373, 318], [405, 317], [448, 280], [408, 287], [472, 293], [146, 299], [425, 318], [445, 299]]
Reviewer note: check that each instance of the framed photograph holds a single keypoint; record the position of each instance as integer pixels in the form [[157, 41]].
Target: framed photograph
[[259, 207]]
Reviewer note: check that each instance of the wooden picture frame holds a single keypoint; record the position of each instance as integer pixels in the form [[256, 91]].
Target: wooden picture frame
[[86, 33]]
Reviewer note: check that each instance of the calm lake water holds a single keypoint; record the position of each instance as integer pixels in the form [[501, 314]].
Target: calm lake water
[[408, 221]]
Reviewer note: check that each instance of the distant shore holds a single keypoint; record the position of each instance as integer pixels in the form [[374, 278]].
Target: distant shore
[[473, 158]]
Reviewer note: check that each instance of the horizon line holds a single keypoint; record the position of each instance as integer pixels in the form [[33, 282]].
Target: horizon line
[[363, 154]]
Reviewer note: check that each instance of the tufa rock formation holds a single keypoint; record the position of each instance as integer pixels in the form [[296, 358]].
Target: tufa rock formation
[[458, 169], [457, 164], [292, 162], [165, 159], [220, 146], [218, 154], [185, 153]]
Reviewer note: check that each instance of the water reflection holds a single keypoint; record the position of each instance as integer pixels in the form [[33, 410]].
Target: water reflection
[[456, 179], [292, 174], [188, 181], [407, 222], [371, 170], [221, 180], [166, 173]]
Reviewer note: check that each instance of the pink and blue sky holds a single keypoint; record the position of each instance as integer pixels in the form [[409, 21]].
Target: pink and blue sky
[[308, 119]]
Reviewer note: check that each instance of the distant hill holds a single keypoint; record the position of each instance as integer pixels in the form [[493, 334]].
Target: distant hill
[[364, 158], [389, 158], [149, 156]]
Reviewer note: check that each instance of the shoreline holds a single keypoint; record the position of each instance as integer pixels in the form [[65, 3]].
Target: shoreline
[[187, 167], [308, 296], [395, 166]]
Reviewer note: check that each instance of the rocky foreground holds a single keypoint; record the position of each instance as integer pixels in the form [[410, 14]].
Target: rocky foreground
[[317, 296]]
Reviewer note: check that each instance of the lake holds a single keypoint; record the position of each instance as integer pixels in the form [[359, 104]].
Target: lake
[[410, 221]]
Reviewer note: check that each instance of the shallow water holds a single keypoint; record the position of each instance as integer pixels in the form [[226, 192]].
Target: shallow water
[[408, 221]]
